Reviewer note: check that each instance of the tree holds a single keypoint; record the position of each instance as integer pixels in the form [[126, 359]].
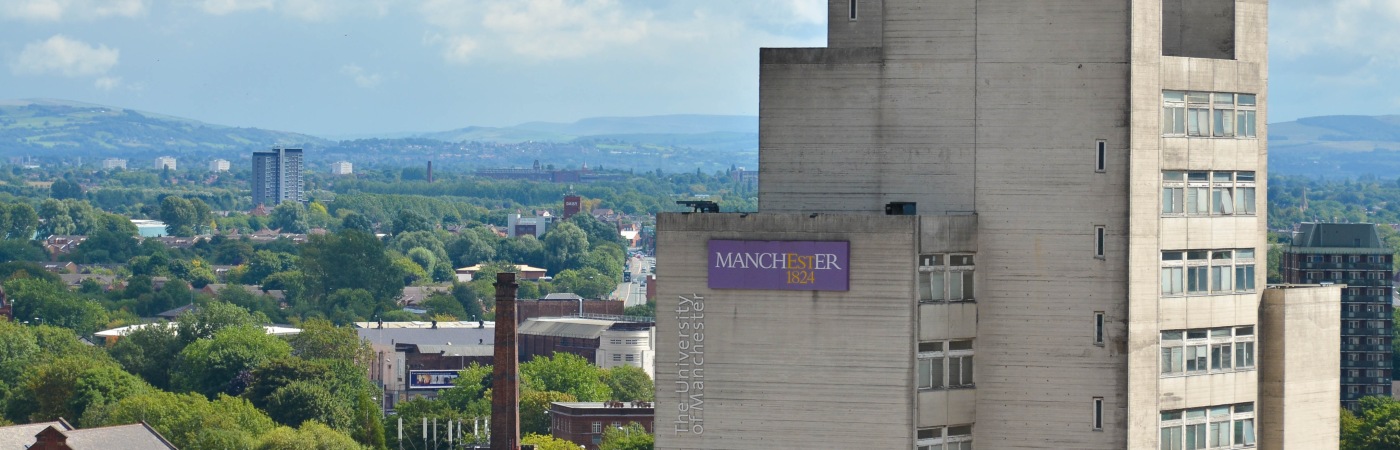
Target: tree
[[22, 221], [567, 373], [62, 189], [209, 366], [206, 320], [547, 442], [355, 221], [54, 218], [564, 247], [1375, 427], [289, 217], [408, 221], [187, 420], [311, 436], [37, 299], [323, 263], [440, 304], [179, 215], [321, 339], [631, 437], [629, 383], [598, 232], [349, 305], [471, 306], [148, 352], [471, 248]]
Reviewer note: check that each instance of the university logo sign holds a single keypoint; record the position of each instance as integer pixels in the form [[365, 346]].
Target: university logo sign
[[780, 265]]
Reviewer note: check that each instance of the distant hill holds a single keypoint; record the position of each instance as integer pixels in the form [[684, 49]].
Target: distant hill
[[56, 131], [1336, 146], [42, 127]]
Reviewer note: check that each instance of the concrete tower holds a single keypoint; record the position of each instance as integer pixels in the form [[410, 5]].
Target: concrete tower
[[1074, 257]]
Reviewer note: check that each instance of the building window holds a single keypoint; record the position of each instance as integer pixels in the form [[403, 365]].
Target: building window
[[1202, 350], [597, 427], [617, 357], [615, 341], [1100, 156], [1203, 193], [630, 357], [1208, 114], [945, 364], [853, 9], [1223, 426], [945, 278], [1098, 241], [1098, 327], [1203, 272], [944, 438], [633, 342], [1098, 413]]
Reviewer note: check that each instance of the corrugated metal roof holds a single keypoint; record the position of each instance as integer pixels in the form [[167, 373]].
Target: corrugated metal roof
[[1346, 235], [569, 328], [458, 350]]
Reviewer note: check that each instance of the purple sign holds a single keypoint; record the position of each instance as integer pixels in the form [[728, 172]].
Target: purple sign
[[780, 265]]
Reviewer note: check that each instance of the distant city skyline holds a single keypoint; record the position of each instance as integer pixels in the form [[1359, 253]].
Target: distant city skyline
[[346, 67]]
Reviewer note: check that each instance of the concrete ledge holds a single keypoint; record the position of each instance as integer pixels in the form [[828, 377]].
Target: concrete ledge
[[857, 55]]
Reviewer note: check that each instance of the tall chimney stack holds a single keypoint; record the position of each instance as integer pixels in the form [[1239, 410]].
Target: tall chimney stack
[[505, 379]]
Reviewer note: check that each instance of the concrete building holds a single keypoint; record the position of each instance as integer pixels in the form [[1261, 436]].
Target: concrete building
[[536, 226], [1019, 224], [1353, 256], [342, 168], [165, 162], [114, 163], [277, 177], [218, 165]]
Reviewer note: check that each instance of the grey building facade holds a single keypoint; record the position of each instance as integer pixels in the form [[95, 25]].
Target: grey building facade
[[277, 177], [1351, 255], [1075, 260]]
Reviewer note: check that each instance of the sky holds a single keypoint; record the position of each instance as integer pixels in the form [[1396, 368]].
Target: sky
[[359, 67]]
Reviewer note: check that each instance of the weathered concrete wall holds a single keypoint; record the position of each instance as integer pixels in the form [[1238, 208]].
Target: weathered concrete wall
[[791, 369], [1299, 393]]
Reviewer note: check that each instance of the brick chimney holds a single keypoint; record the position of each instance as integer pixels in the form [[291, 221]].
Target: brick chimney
[[505, 379]]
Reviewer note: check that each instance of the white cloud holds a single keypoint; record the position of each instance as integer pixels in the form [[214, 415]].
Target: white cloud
[[107, 83], [362, 79], [65, 56], [56, 10], [222, 7], [809, 11], [309, 10]]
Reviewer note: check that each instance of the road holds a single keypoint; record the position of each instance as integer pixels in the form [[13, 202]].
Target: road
[[634, 293]]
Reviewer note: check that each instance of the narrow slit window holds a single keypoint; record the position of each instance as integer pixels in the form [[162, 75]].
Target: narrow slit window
[[853, 9], [1098, 413], [1098, 241], [1098, 327], [1100, 155]]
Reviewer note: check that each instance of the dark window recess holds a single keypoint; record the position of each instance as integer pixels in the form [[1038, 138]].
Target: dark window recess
[[1198, 28]]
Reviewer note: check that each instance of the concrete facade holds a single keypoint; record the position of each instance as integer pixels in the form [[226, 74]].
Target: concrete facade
[[1100, 235], [1299, 336]]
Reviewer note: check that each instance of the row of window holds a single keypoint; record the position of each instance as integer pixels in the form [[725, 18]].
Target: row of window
[[945, 278], [1362, 356], [1225, 426], [628, 341], [619, 357], [1368, 373], [1346, 258], [1214, 350], [1201, 272], [957, 437], [1342, 275], [1206, 193], [945, 364], [1208, 114], [1367, 390]]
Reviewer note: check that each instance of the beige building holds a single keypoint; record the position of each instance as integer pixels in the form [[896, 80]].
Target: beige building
[[165, 162], [219, 165], [1010, 224], [342, 168]]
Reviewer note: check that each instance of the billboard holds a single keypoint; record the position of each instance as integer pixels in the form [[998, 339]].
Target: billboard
[[780, 265], [431, 379]]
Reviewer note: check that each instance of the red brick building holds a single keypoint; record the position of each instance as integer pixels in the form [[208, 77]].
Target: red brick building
[[583, 422]]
